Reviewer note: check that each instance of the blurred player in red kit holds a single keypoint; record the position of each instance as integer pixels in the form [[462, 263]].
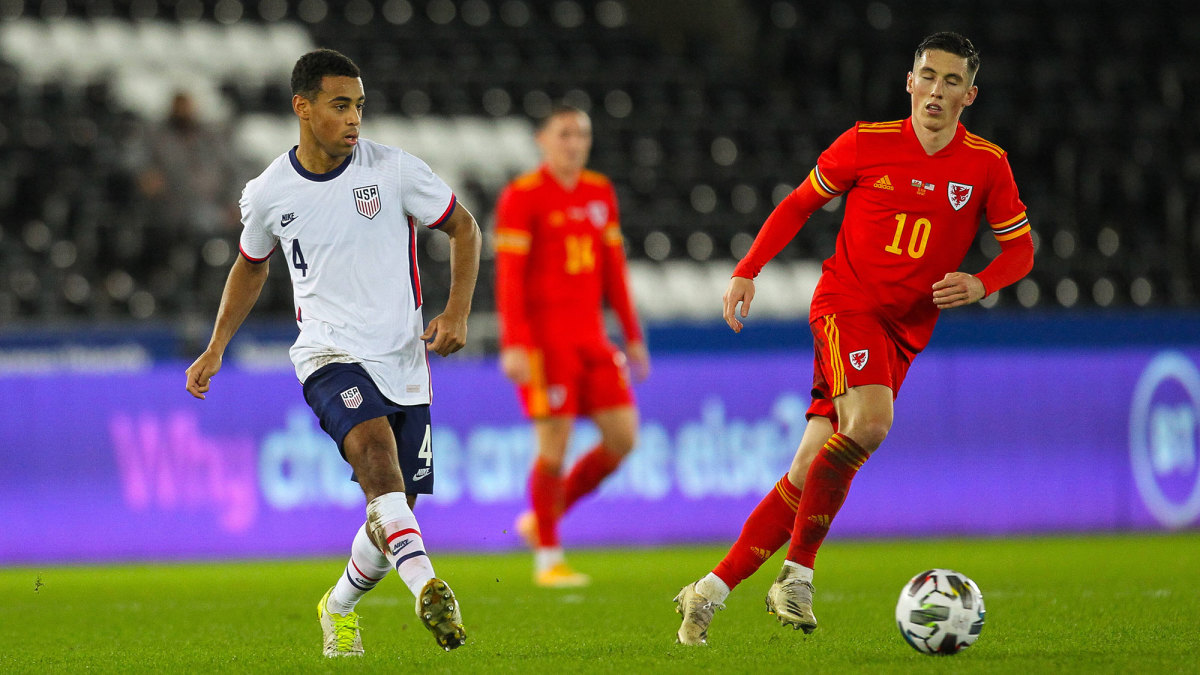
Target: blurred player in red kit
[[915, 192], [559, 253]]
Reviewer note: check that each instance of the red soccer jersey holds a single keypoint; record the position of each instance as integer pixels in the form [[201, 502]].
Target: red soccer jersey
[[910, 219], [558, 253]]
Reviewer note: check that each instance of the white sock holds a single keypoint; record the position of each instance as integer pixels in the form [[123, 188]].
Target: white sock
[[392, 522], [713, 588], [546, 557], [366, 567], [799, 571]]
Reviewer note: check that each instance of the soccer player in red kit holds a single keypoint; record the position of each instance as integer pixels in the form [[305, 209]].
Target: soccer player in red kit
[[559, 253], [915, 190]]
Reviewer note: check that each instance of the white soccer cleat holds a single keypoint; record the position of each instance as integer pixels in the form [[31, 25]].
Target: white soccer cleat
[[342, 637], [437, 608], [790, 600], [697, 612]]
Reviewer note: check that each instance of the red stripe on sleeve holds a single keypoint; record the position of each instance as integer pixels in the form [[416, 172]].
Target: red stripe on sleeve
[[445, 214], [251, 258]]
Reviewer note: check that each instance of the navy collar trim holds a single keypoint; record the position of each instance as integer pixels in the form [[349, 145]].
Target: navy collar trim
[[317, 177]]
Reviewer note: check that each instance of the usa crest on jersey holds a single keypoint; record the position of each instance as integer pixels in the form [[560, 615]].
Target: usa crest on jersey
[[959, 194], [366, 200]]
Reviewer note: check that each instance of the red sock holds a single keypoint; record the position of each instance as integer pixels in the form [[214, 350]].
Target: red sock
[[545, 495], [588, 473], [825, 490], [767, 528]]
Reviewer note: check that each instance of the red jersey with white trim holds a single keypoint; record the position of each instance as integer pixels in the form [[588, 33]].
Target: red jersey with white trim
[[910, 219], [558, 253]]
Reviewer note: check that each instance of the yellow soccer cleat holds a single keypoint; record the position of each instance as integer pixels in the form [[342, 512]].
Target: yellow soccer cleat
[[560, 575], [342, 637], [438, 611]]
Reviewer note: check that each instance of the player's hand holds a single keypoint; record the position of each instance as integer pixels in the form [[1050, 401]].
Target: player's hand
[[957, 289], [740, 290], [199, 374], [639, 360], [446, 333], [514, 363]]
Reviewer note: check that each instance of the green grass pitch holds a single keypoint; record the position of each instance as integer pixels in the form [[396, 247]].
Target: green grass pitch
[[1120, 603]]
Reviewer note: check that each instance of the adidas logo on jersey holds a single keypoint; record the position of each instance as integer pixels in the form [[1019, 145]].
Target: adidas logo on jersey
[[884, 183]]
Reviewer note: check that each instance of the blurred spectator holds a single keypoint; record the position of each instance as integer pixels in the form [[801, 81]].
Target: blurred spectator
[[190, 180]]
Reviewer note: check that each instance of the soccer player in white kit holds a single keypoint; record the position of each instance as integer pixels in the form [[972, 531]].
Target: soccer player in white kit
[[344, 211]]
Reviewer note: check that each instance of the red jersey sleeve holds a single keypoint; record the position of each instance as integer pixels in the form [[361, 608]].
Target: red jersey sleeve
[[616, 275], [833, 175], [1009, 223], [514, 236]]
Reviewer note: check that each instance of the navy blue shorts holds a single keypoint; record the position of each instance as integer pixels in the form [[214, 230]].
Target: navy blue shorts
[[344, 396]]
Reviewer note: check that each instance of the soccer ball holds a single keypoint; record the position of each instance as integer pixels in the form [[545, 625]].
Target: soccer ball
[[940, 612]]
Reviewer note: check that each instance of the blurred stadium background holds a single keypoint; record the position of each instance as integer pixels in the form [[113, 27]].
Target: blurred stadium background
[[116, 236]]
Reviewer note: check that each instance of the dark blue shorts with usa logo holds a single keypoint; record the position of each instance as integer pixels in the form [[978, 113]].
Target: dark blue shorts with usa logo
[[344, 396]]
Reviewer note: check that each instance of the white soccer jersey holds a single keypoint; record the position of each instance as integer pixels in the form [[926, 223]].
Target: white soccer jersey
[[349, 238]]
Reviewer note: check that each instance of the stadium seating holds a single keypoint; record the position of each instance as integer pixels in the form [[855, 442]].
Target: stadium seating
[[702, 127]]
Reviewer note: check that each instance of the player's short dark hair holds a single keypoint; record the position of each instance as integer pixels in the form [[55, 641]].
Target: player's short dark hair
[[556, 110], [951, 43], [310, 68]]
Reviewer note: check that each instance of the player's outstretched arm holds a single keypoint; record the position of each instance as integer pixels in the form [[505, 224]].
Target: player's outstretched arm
[[740, 290], [242, 287], [447, 332]]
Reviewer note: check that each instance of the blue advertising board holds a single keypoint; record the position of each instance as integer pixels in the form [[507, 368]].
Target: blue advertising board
[[121, 466]]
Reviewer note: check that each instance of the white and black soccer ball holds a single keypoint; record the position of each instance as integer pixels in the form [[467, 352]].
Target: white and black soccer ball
[[940, 612]]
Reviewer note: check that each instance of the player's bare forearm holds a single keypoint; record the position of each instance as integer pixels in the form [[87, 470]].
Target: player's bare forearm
[[465, 244], [242, 288], [447, 332]]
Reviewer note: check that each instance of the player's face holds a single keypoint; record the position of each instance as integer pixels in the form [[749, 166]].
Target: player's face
[[335, 115], [566, 141], [940, 87]]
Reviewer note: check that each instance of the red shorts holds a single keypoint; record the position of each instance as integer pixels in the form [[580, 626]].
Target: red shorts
[[853, 350], [577, 378]]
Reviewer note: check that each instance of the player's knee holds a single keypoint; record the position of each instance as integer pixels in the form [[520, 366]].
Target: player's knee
[[620, 442], [869, 434], [549, 462]]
